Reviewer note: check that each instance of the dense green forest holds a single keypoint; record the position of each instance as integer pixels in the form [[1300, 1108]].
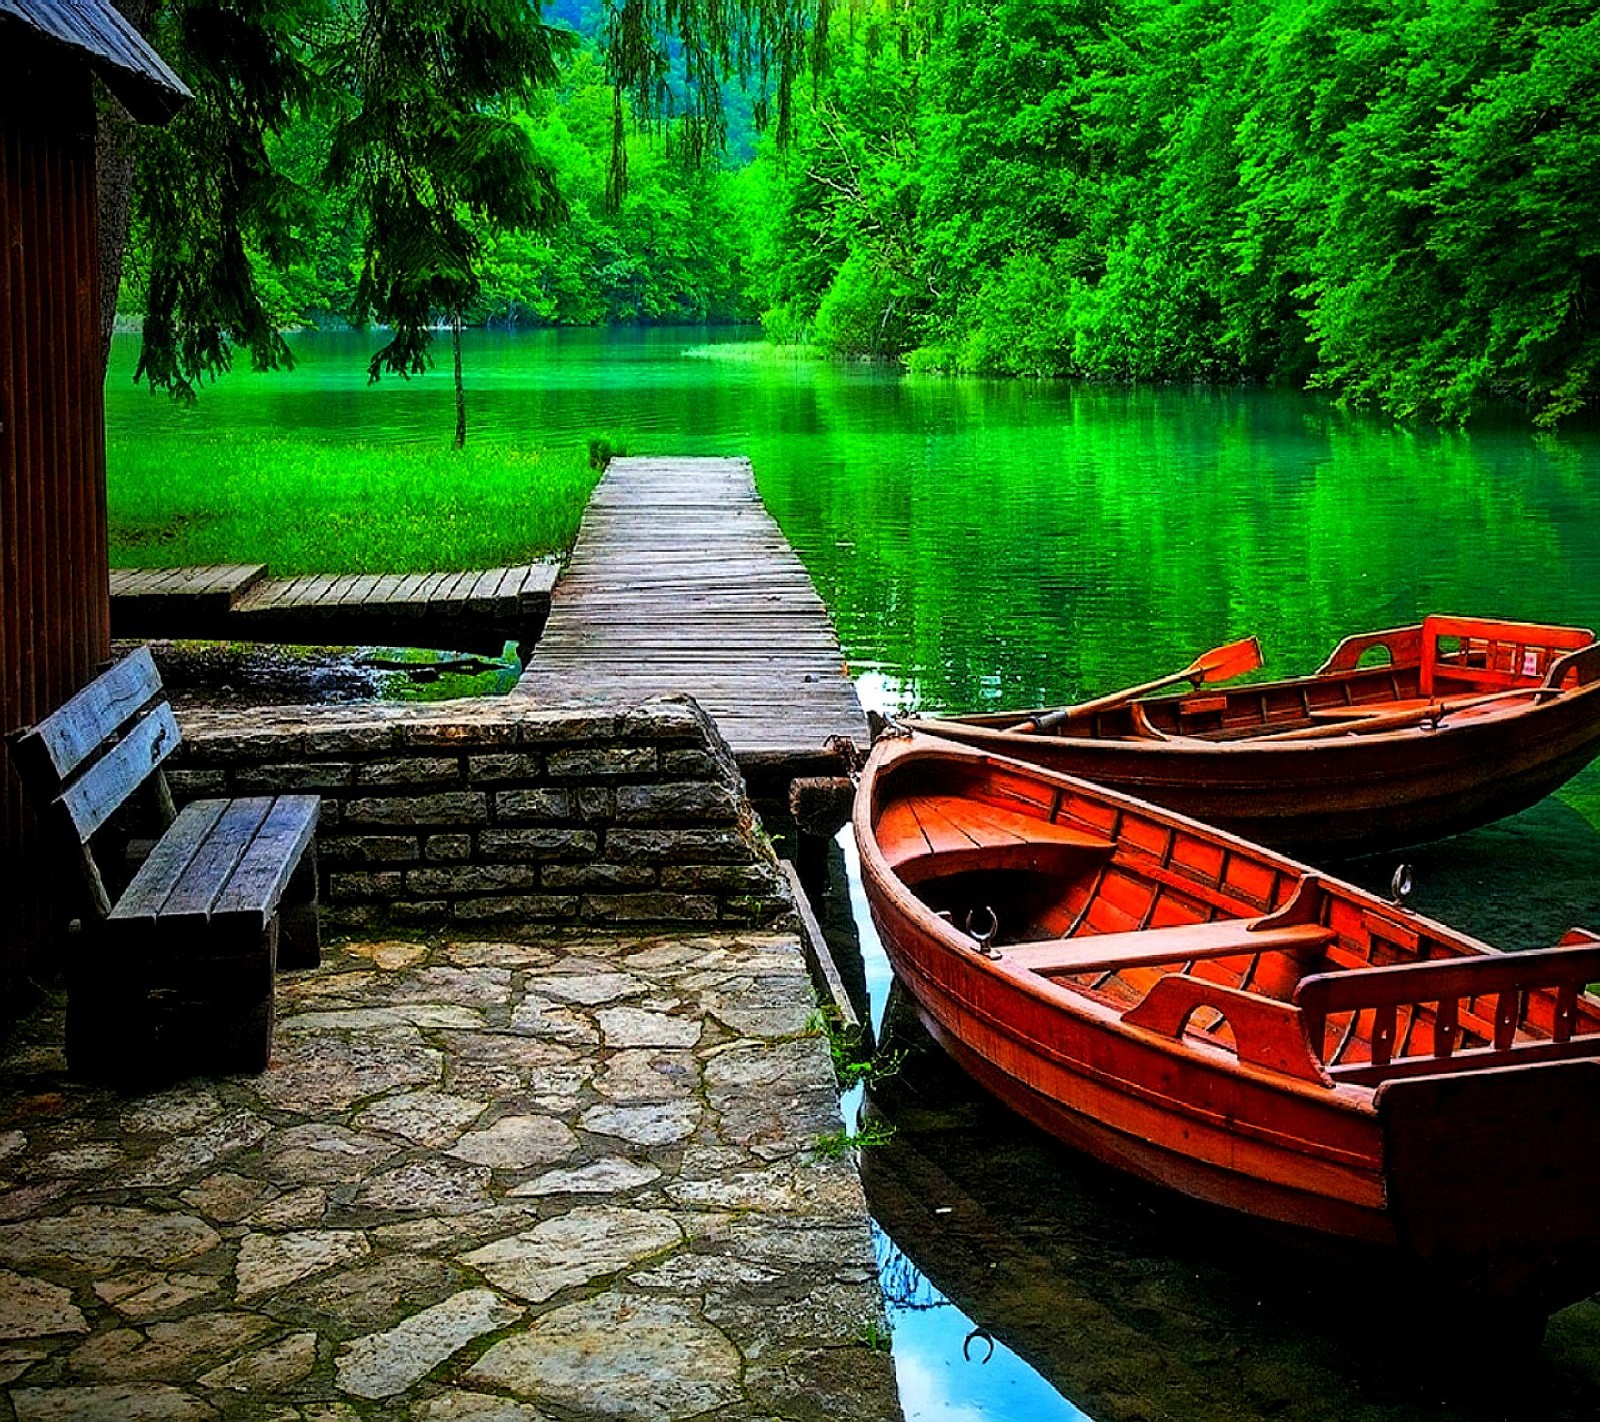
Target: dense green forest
[[671, 251], [1392, 200]]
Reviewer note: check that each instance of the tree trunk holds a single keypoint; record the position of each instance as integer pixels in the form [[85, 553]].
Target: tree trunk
[[114, 150], [461, 392]]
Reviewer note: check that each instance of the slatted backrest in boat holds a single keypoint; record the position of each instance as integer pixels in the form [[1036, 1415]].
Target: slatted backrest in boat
[[1461, 653], [1487, 1009]]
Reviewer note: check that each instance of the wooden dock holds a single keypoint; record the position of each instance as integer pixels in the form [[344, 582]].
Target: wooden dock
[[476, 611], [682, 581]]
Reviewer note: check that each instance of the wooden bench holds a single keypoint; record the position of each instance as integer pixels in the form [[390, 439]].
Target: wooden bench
[[177, 964]]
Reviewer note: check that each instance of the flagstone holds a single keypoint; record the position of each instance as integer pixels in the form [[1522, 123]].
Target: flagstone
[[584, 1244], [33, 1308], [658, 1124], [635, 1027], [136, 1403], [609, 1175], [516, 1143], [383, 1364], [430, 1118], [617, 1356], [276, 1367], [267, 1262]]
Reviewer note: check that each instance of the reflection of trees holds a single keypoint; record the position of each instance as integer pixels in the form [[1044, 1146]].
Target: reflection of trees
[[1012, 542], [904, 1285]]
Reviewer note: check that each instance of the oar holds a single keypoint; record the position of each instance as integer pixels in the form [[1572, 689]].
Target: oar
[[1435, 711], [1219, 664]]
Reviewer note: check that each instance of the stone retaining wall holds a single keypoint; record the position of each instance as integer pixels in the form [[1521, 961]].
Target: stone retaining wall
[[488, 811]]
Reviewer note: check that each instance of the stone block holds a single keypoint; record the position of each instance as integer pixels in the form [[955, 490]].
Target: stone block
[[683, 846], [553, 842], [368, 849], [649, 908], [350, 916], [670, 800], [330, 817], [287, 779], [691, 762], [505, 765], [525, 806], [530, 907], [465, 734], [447, 848], [419, 911], [382, 884], [754, 908], [601, 762], [721, 878], [446, 807], [219, 747], [350, 739], [198, 784], [666, 719], [594, 802], [597, 876], [575, 726], [471, 879], [411, 770]]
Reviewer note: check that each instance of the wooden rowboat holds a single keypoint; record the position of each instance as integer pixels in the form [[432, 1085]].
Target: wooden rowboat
[[1227, 1022], [1402, 736]]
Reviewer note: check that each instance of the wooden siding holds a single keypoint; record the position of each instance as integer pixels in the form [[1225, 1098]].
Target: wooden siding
[[54, 605]]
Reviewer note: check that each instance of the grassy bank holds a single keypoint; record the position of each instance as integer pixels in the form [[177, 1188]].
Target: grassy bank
[[304, 505]]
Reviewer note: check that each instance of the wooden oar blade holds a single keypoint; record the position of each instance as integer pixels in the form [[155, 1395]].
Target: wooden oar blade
[[1225, 663]]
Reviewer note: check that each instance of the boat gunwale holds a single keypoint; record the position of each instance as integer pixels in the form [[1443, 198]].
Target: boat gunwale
[[1178, 745]]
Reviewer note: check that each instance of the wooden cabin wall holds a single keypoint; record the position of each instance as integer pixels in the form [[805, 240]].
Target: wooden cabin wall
[[54, 599]]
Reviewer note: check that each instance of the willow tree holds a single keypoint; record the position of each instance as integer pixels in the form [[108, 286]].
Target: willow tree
[[421, 94], [425, 138]]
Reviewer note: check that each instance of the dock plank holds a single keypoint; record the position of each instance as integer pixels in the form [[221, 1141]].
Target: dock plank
[[478, 610], [682, 581]]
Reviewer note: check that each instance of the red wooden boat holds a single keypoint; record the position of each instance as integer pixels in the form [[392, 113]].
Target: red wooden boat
[[1222, 1020], [1402, 736]]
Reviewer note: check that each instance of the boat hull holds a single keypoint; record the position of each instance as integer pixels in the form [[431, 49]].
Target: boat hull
[[1483, 1172]]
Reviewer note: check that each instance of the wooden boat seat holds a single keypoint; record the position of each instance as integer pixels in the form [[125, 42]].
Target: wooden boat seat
[[1152, 947], [923, 836]]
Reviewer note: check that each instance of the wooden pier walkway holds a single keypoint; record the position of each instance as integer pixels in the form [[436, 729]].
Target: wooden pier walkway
[[477, 611], [682, 581]]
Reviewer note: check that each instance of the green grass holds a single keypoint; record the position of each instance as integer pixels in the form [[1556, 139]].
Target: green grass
[[304, 505]]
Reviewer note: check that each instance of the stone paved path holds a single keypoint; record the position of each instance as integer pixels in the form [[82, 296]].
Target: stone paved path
[[482, 1182]]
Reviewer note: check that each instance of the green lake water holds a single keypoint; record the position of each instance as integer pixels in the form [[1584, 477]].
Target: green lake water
[[987, 543]]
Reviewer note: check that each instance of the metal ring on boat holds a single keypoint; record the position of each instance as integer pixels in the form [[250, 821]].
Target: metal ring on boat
[[1400, 886], [984, 937]]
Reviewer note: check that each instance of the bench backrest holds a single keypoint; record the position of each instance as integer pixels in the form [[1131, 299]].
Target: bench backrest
[[85, 760]]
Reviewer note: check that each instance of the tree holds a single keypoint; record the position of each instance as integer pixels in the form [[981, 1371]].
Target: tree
[[426, 141], [419, 91]]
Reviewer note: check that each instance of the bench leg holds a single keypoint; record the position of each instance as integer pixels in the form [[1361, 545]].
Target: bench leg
[[301, 943], [110, 1029], [223, 1010]]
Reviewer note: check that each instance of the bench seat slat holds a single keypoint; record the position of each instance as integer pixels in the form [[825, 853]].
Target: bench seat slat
[[100, 791], [262, 875], [198, 888], [1112, 952], [166, 864]]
